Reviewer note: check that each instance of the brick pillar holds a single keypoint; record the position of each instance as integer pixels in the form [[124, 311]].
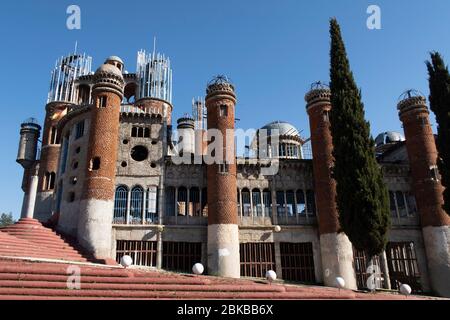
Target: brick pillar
[[422, 154], [97, 200], [223, 231], [336, 249], [49, 160]]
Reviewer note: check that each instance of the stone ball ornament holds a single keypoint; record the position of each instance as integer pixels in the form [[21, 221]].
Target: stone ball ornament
[[271, 275], [126, 261], [277, 229], [340, 282], [198, 269], [405, 289]]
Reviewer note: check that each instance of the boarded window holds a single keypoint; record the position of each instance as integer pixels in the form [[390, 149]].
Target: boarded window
[[297, 262], [403, 267], [257, 259], [364, 270], [181, 256], [143, 253]]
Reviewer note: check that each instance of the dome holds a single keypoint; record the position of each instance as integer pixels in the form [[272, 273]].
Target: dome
[[388, 137], [284, 128], [114, 58], [108, 69]]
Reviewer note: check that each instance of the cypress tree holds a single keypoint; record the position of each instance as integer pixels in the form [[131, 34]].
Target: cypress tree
[[362, 197], [439, 82]]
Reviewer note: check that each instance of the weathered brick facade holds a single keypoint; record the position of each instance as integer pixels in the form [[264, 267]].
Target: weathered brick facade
[[422, 153]]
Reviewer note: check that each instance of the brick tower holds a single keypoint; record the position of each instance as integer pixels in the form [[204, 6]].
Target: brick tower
[[97, 200], [336, 248], [223, 231], [48, 164], [422, 153], [62, 94]]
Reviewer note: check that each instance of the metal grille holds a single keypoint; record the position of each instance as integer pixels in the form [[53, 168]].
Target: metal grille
[[181, 256], [257, 259], [143, 253], [297, 262], [362, 270], [402, 263]]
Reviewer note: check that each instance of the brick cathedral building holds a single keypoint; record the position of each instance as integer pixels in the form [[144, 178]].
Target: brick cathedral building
[[107, 175]]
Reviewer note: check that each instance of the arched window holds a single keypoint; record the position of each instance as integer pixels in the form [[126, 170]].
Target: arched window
[[147, 133], [280, 203], [311, 202], [84, 94], [301, 202], [194, 202], [205, 202], [257, 207], [246, 209], [137, 205], [267, 196], [170, 201], [120, 205], [182, 201], [49, 182], [151, 214], [290, 200]]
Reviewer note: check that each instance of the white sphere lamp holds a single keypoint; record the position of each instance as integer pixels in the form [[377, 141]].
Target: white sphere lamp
[[198, 269], [126, 261]]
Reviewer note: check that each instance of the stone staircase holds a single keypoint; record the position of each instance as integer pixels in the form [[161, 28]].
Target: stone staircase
[[46, 280], [29, 238]]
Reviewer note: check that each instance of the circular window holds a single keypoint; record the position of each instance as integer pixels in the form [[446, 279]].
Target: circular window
[[78, 150], [74, 180], [153, 165], [124, 164], [75, 165], [139, 153], [154, 142], [125, 141]]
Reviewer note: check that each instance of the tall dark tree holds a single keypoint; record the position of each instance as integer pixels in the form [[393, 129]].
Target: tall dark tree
[[439, 81], [362, 197], [6, 219]]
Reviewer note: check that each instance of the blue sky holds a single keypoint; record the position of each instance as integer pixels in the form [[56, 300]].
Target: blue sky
[[272, 50]]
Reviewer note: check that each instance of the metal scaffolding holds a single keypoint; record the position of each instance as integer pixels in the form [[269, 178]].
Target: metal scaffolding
[[67, 69], [199, 113], [154, 76]]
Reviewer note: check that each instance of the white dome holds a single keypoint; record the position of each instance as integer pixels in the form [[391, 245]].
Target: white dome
[[283, 127], [109, 68], [388, 137], [114, 58]]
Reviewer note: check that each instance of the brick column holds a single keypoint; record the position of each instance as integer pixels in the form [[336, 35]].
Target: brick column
[[336, 248], [422, 154], [223, 231], [97, 201]]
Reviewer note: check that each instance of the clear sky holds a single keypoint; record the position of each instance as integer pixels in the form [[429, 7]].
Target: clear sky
[[272, 50]]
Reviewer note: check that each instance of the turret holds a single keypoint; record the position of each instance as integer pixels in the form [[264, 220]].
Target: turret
[[427, 188], [186, 135], [223, 231], [336, 249], [30, 131], [97, 200]]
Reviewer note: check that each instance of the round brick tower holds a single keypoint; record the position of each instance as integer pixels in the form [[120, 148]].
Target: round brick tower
[[48, 163], [422, 154], [336, 248], [97, 200], [223, 231]]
